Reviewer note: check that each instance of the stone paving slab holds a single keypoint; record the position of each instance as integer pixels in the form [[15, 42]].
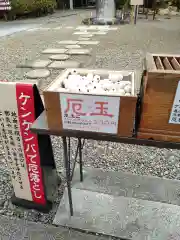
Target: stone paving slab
[[68, 42], [72, 46], [80, 51], [39, 29], [64, 64], [54, 51], [129, 185], [57, 28], [106, 27], [99, 33], [87, 34], [69, 27], [84, 38], [103, 28], [88, 42], [123, 217], [40, 63], [38, 73], [25, 230], [34, 64], [59, 57]]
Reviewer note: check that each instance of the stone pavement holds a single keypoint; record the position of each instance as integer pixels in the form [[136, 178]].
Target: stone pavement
[[25, 230], [122, 205]]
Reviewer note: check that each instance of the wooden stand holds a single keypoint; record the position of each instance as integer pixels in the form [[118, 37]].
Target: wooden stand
[[40, 126], [158, 92]]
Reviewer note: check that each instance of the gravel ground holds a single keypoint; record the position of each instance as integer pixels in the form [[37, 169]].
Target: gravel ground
[[122, 49]]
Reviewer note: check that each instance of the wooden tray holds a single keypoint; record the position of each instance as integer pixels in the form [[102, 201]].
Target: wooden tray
[[122, 107], [160, 84]]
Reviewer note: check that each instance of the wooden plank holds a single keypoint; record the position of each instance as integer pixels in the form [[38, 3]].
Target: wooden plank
[[157, 102], [158, 62], [158, 137], [161, 55], [53, 110], [178, 59], [167, 64], [126, 116], [161, 132], [175, 64], [150, 64]]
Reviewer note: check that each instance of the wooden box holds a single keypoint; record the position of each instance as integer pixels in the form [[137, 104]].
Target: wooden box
[[158, 90], [100, 113]]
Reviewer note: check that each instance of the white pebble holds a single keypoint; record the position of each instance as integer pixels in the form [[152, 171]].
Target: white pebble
[[89, 76], [73, 77], [121, 92], [73, 88], [64, 82], [73, 71], [107, 86], [96, 78], [62, 89], [89, 88], [104, 81], [127, 89], [114, 77], [122, 84], [97, 91]]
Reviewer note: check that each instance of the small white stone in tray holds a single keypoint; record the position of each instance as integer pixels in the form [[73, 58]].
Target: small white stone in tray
[[73, 71], [122, 84], [89, 88], [114, 77], [64, 82], [98, 91], [91, 83], [96, 78], [127, 88], [105, 81], [107, 86], [75, 76], [90, 76], [62, 89], [84, 83], [121, 92]]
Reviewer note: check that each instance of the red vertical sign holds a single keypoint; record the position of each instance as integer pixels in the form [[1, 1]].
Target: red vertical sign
[[26, 116]]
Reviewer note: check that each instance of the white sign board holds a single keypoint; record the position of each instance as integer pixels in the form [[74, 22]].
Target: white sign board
[[90, 113], [136, 2], [17, 113], [175, 112]]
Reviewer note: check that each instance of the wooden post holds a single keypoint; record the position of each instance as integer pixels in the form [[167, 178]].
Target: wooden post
[[135, 4], [136, 13]]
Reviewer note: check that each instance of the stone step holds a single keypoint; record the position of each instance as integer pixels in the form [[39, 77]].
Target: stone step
[[118, 216], [129, 185]]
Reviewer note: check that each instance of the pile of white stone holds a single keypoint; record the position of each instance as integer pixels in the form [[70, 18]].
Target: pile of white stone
[[91, 83]]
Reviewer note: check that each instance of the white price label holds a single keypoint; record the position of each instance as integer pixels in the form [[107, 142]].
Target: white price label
[[175, 112], [90, 113]]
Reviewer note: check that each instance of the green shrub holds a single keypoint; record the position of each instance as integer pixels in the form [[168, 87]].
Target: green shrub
[[30, 6], [120, 3]]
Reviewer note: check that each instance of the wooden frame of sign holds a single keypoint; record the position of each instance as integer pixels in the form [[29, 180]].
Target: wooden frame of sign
[[119, 118], [29, 156], [160, 108]]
